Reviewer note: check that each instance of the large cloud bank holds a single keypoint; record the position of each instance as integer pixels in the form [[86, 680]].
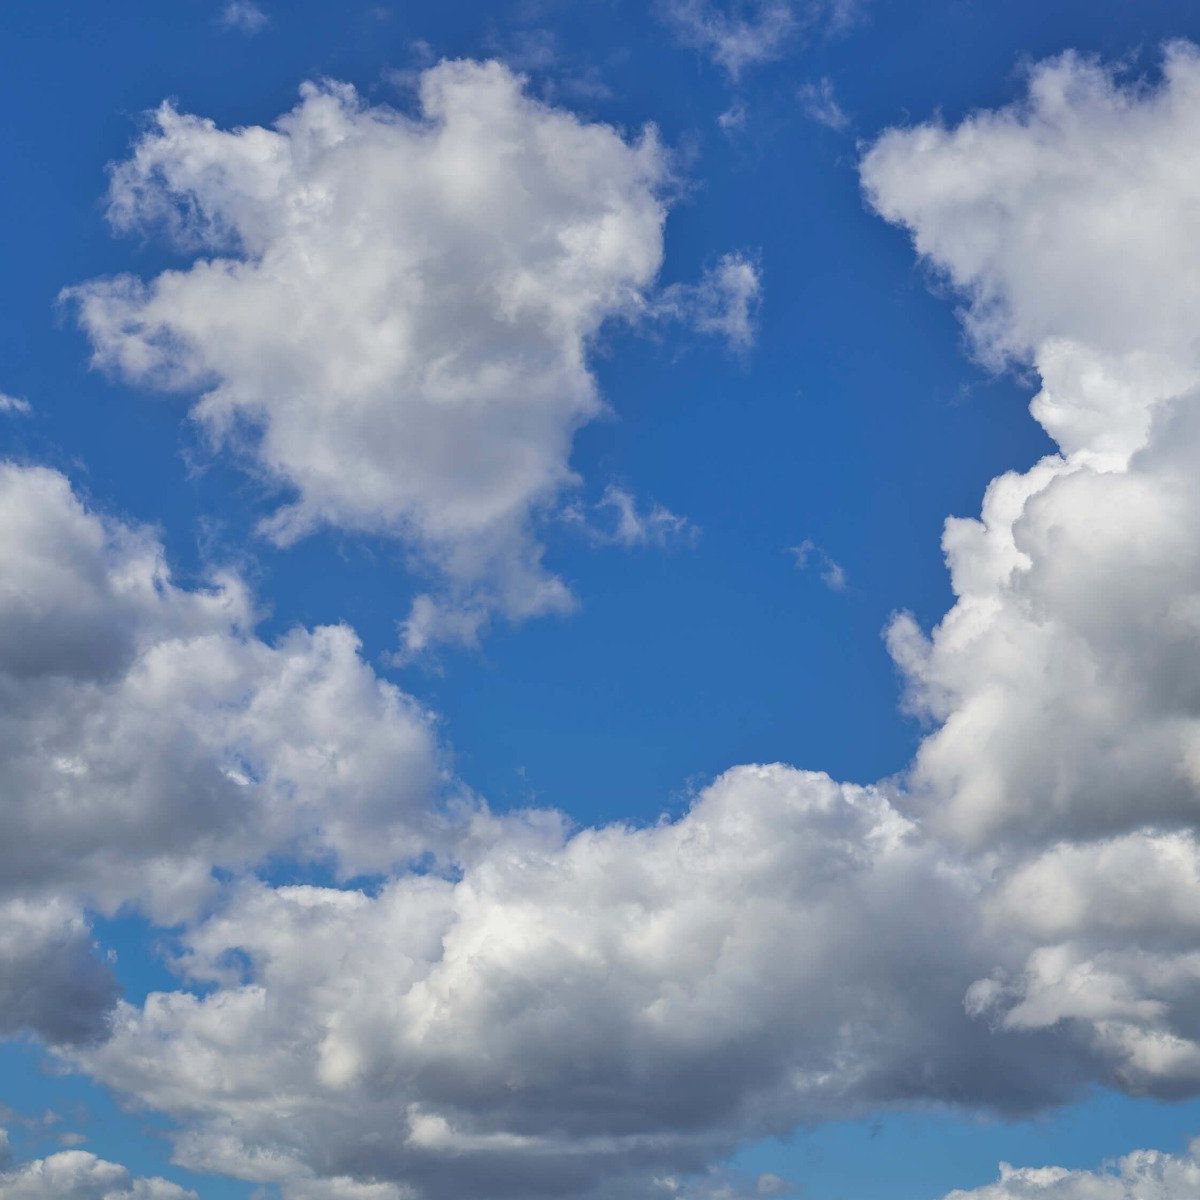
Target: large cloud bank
[[547, 1012]]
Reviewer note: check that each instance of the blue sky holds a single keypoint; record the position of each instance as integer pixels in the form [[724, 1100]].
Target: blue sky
[[857, 417]]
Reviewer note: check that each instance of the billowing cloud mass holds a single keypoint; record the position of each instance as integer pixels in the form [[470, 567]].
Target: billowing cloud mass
[[392, 314], [1063, 681], [572, 1012], [552, 1012], [77, 1175]]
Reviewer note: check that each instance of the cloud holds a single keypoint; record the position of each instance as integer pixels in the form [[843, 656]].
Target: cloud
[[1067, 724], [569, 1012], [808, 553], [392, 315], [77, 1175], [1142, 1175], [147, 736], [724, 302], [1075, 586], [14, 405], [746, 33], [51, 982], [821, 105], [244, 16], [630, 525]]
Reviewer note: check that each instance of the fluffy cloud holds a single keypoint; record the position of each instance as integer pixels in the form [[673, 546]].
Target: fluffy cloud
[[77, 1175], [392, 314], [147, 736], [51, 982], [1062, 681], [1070, 226], [724, 302], [1142, 1175], [620, 1004]]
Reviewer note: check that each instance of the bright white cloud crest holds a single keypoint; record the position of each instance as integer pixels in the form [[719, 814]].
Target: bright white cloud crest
[[597, 1012]]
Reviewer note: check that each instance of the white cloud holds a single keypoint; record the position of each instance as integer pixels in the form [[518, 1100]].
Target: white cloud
[[733, 118], [244, 16], [77, 1175], [393, 314], [14, 405], [623, 522], [808, 554], [736, 34], [1142, 1175], [146, 736], [574, 1011], [725, 301], [1061, 682]]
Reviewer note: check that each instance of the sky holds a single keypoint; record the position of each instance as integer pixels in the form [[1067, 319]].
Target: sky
[[599, 600]]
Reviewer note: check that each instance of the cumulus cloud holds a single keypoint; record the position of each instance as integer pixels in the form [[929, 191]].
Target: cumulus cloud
[[77, 1175], [147, 736], [1142, 1175], [392, 314], [724, 302], [1061, 682], [619, 1004], [51, 982]]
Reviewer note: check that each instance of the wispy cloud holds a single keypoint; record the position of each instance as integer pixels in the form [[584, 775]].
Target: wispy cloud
[[724, 302], [243, 15], [821, 105], [810, 556], [14, 404], [618, 521]]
